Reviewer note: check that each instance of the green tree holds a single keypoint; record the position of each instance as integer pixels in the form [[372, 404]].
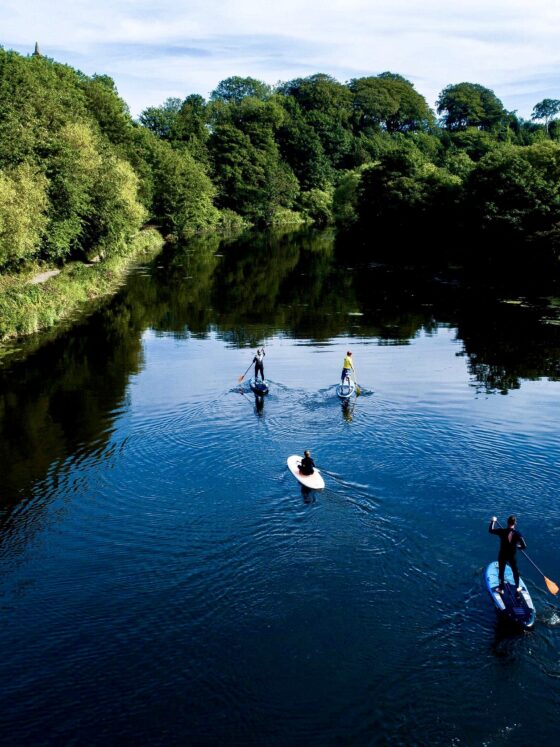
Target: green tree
[[391, 102], [72, 168], [234, 89], [513, 192], [404, 193], [23, 220], [192, 126], [162, 120], [37, 98], [345, 198], [116, 213], [251, 179], [301, 147], [108, 109], [318, 205], [321, 93], [458, 163], [183, 193], [325, 105], [476, 143], [546, 109], [470, 105]]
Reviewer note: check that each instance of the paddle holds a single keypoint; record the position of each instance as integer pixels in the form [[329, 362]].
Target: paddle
[[240, 379], [358, 390], [550, 585]]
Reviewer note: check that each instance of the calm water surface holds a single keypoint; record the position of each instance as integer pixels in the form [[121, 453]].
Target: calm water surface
[[164, 581]]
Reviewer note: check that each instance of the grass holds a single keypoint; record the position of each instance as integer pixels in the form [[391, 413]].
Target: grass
[[26, 309]]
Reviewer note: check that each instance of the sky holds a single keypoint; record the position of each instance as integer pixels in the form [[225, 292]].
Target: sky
[[155, 49]]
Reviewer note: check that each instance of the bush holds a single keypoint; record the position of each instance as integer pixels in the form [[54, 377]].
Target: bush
[[318, 205]]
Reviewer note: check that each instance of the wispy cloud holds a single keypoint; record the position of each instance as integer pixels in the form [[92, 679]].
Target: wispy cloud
[[159, 48]]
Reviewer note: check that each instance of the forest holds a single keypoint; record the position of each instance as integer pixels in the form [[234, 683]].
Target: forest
[[79, 176]]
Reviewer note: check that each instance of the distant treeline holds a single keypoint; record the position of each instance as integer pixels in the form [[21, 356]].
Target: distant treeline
[[79, 176]]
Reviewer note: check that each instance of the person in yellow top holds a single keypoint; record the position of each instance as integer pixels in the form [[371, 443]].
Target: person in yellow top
[[347, 366]]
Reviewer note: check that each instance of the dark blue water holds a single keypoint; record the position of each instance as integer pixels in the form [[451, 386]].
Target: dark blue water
[[164, 580]]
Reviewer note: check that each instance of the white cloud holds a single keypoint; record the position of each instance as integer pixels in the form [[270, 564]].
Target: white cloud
[[157, 48]]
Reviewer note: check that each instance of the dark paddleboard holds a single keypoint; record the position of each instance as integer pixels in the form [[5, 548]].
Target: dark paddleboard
[[516, 608], [345, 391], [258, 386]]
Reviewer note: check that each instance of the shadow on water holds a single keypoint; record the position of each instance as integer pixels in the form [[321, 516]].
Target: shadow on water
[[309, 496], [508, 639]]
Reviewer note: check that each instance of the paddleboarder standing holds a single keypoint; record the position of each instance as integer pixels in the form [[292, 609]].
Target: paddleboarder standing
[[258, 360], [510, 540], [347, 366], [307, 465]]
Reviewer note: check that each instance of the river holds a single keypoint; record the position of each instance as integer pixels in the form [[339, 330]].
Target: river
[[164, 580]]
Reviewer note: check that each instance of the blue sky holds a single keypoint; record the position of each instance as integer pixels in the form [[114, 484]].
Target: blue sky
[[154, 49]]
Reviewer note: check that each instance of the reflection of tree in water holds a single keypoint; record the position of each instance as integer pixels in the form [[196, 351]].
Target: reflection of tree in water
[[506, 344], [305, 284], [63, 397], [246, 294], [348, 410], [295, 283], [183, 281]]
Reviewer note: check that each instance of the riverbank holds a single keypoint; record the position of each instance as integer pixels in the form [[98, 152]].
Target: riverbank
[[27, 308]]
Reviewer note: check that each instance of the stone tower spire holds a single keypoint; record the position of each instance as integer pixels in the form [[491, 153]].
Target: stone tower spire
[[37, 53]]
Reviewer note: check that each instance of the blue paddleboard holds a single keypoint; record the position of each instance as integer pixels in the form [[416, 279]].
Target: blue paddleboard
[[258, 386], [516, 608]]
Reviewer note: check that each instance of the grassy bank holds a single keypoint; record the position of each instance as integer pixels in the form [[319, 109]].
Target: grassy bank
[[26, 309]]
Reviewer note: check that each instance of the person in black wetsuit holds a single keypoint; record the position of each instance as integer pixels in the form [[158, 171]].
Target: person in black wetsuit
[[258, 360], [510, 540], [307, 464]]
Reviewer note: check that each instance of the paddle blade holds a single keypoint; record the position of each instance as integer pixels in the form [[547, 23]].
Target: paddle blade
[[551, 586], [358, 390], [240, 379]]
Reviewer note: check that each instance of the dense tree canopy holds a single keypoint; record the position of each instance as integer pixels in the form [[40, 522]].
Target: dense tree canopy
[[470, 105], [233, 90], [389, 101], [320, 93], [79, 176]]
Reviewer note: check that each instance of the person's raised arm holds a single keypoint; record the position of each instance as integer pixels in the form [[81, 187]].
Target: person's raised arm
[[491, 529]]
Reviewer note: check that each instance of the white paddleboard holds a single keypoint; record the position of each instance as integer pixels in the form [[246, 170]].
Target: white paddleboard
[[345, 391], [314, 481]]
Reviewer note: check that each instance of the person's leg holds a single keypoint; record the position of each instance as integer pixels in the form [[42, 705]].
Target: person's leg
[[501, 571], [515, 569]]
